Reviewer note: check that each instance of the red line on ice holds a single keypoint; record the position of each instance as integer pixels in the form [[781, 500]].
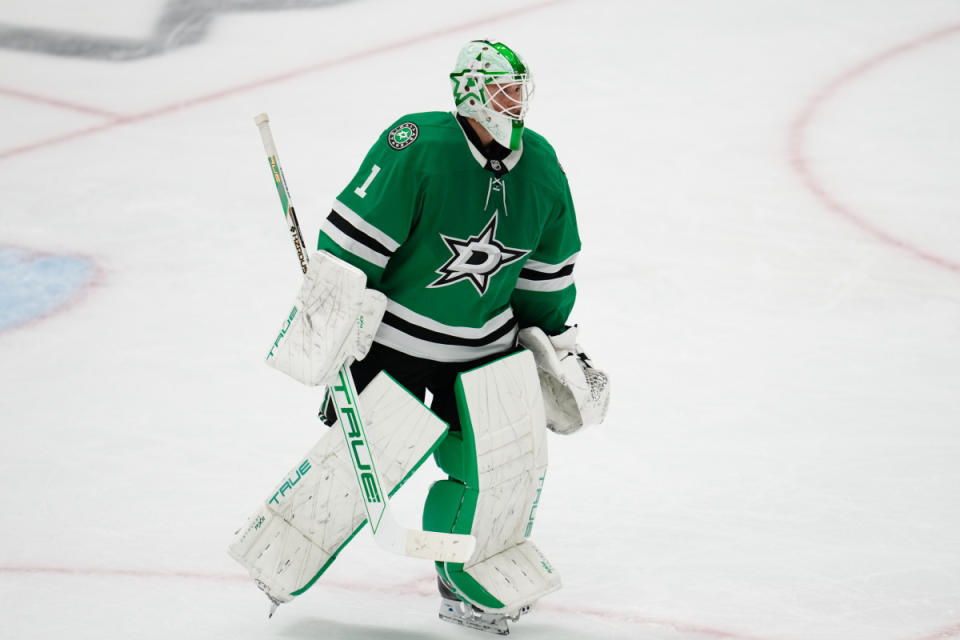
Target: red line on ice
[[92, 572], [953, 631], [55, 102], [420, 586], [808, 113], [426, 587], [618, 616], [119, 119]]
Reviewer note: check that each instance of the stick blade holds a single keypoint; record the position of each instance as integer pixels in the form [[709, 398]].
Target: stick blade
[[429, 545], [440, 547]]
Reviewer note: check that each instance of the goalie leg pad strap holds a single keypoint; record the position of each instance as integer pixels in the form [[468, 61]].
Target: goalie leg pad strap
[[498, 464], [296, 533]]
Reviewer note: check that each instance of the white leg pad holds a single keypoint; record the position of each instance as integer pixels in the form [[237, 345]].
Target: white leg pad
[[297, 531], [507, 418], [517, 577]]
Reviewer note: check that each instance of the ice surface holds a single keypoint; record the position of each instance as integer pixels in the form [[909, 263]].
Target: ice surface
[[767, 195]]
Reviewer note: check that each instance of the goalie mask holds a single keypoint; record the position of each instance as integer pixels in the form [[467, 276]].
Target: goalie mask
[[492, 85]]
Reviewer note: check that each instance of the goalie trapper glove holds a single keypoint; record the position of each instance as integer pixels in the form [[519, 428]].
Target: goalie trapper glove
[[575, 393]]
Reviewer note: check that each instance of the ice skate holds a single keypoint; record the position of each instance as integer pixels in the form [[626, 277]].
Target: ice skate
[[455, 610]]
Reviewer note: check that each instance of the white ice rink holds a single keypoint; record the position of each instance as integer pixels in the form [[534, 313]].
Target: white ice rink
[[769, 198]]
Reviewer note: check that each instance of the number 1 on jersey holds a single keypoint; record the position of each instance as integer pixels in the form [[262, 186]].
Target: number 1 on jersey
[[362, 189]]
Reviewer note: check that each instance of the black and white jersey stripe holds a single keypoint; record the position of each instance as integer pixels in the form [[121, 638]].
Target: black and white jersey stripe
[[543, 276], [357, 236], [406, 330]]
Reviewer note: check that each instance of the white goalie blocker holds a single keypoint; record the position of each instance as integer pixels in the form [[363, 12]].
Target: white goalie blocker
[[333, 319], [575, 393]]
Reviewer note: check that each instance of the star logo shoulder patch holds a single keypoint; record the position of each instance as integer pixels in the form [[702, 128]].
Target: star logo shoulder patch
[[476, 259], [403, 135]]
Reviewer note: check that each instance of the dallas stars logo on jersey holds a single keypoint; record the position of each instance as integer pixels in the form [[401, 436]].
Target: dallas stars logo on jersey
[[476, 259], [402, 136]]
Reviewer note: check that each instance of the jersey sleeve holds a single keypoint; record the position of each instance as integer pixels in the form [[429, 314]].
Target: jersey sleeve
[[545, 290], [373, 215]]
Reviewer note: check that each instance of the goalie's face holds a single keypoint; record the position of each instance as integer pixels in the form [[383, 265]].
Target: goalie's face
[[508, 98]]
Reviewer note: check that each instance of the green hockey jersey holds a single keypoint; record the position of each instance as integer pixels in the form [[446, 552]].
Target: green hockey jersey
[[466, 248]]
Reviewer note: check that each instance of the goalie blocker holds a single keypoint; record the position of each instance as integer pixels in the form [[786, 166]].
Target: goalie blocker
[[333, 320]]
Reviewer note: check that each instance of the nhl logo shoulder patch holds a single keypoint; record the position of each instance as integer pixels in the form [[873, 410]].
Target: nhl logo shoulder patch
[[403, 135]]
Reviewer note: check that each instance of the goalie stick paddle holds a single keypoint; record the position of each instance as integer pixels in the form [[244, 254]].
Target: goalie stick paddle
[[387, 531]]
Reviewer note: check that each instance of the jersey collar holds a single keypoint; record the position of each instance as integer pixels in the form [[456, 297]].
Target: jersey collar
[[494, 157]]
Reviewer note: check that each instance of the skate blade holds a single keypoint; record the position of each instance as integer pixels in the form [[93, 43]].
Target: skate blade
[[479, 625]]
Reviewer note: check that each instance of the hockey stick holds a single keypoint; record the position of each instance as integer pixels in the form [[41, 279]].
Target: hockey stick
[[389, 534], [263, 124]]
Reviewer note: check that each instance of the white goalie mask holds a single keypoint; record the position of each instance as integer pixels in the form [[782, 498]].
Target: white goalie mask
[[492, 85]]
